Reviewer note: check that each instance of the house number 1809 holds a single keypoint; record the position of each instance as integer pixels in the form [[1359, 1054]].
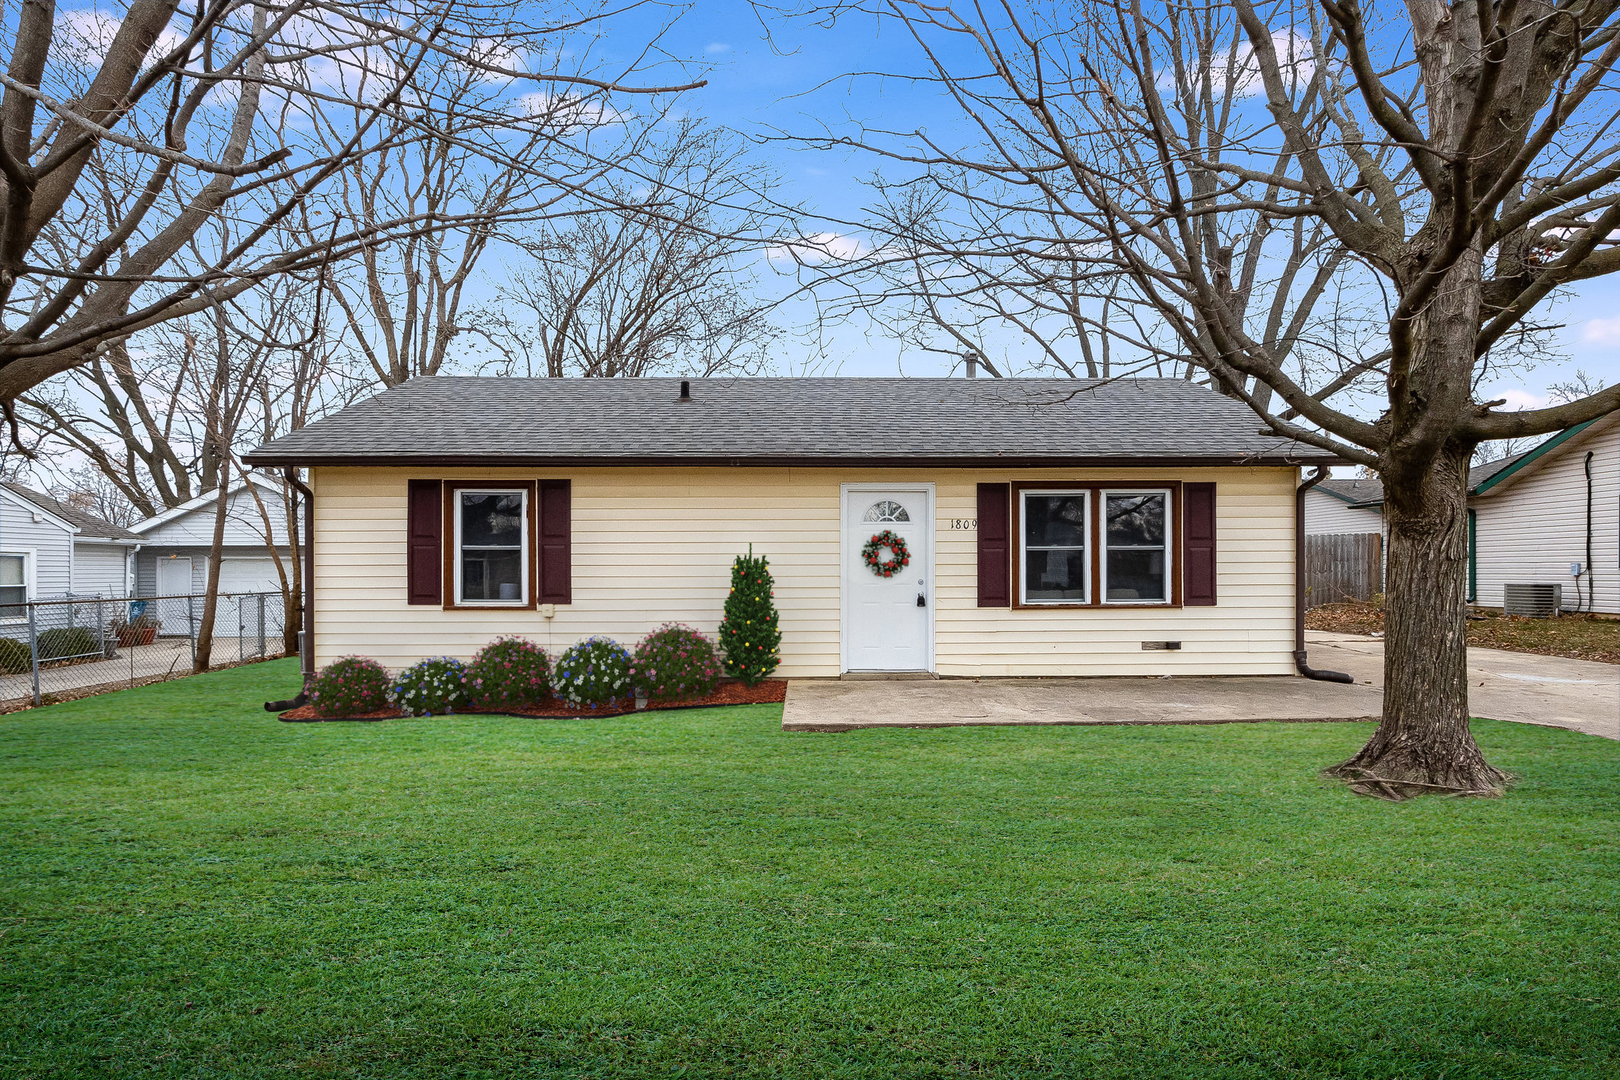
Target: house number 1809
[[970, 524]]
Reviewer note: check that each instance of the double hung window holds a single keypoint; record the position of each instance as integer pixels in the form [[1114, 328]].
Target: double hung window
[[1057, 568], [1069, 536], [13, 586], [1136, 564], [492, 547]]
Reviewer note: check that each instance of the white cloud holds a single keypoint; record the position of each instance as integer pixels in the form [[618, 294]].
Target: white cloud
[[569, 110], [715, 48], [98, 27], [1295, 62], [820, 248], [1520, 399], [1602, 332]]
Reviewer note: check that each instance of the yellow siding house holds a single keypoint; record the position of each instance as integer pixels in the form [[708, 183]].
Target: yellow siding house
[[1051, 527]]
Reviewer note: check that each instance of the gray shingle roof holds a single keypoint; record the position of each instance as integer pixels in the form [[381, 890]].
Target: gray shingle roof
[[88, 524], [1355, 491], [492, 421], [1478, 474], [1371, 492]]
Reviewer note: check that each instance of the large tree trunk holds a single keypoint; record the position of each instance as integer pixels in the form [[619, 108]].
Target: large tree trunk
[[1423, 743]]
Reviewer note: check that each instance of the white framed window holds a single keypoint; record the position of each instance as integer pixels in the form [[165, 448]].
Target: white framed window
[[492, 547], [15, 582], [1054, 528], [1135, 537]]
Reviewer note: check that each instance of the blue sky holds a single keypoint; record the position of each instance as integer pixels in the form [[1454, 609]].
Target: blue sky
[[760, 90]]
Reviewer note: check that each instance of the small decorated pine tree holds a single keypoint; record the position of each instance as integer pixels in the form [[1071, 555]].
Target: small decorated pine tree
[[749, 633]]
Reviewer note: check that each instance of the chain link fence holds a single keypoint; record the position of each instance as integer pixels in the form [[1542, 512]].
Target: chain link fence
[[77, 646]]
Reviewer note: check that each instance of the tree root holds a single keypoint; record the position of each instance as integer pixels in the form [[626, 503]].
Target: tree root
[[1487, 782]]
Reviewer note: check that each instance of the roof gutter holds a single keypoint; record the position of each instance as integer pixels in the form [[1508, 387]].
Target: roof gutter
[[1013, 460], [306, 654], [1305, 669]]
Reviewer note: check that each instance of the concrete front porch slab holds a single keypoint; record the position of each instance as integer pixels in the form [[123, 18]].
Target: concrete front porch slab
[[1575, 694], [835, 705]]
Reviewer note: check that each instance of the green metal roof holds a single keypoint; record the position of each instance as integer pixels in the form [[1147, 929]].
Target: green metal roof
[[1529, 456]]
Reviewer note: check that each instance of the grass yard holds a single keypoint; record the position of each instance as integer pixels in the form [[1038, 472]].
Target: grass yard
[[188, 888]]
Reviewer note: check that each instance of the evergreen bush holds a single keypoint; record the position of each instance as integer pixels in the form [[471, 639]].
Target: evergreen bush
[[675, 663], [509, 673], [749, 633], [64, 641], [437, 685], [14, 657], [594, 673], [350, 686]]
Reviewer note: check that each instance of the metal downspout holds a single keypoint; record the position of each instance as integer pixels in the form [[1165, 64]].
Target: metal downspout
[[1299, 584]]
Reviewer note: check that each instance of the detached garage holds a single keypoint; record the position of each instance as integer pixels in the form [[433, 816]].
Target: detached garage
[[173, 559]]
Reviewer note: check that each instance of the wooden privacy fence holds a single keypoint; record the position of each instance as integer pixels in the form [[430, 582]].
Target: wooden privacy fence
[[1343, 566]]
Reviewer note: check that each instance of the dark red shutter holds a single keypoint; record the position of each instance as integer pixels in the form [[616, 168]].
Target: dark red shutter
[[994, 531], [556, 543], [424, 558], [1198, 544]]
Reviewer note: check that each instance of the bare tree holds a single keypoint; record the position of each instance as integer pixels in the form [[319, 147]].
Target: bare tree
[[1447, 168], [471, 163], [134, 411], [241, 110], [658, 281]]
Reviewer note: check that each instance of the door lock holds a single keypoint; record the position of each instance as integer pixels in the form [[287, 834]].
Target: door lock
[[922, 601]]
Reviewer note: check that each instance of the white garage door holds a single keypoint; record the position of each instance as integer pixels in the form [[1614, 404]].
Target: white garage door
[[248, 576]]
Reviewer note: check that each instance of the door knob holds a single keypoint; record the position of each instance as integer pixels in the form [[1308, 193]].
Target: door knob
[[922, 601]]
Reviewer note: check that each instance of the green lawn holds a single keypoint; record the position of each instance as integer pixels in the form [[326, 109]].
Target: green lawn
[[188, 888]]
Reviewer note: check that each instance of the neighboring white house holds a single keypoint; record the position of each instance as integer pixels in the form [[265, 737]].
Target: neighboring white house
[[50, 550], [173, 559], [1345, 506], [1539, 517], [1535, 518]]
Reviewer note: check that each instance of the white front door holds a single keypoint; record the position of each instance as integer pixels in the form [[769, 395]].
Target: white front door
[[888, 621], [174, 580]]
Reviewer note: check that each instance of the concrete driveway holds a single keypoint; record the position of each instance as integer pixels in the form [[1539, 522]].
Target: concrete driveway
[[1575, 694], [1581, 695]]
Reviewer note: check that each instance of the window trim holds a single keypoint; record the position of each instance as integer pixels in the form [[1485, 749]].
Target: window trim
[[27, 555], [1095, 584], [1090, 530], [453, 490], [1172, 565]]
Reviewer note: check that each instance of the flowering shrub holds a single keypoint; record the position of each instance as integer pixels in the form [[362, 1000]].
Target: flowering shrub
[[350, 686], [437, 685], [675, 663], [593, 673], [509, 673]]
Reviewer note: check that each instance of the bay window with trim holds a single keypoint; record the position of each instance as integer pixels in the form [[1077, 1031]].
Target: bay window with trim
[[492, 553]]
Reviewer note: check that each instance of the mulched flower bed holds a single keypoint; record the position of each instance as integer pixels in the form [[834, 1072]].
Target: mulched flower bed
[[769, 692]]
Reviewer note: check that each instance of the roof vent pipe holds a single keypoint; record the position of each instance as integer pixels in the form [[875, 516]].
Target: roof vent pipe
[[972, 361], [686, 390]]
